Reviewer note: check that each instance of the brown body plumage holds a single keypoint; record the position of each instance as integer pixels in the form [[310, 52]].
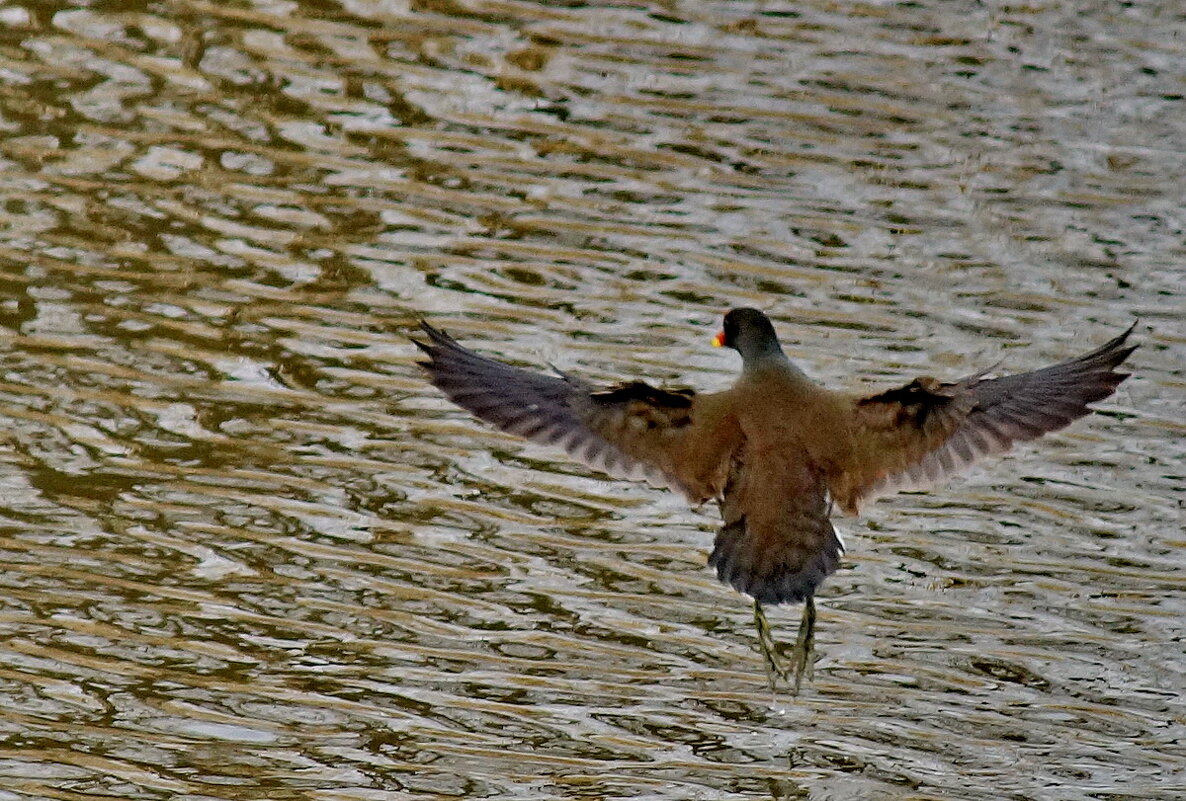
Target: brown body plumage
[[776, 449]]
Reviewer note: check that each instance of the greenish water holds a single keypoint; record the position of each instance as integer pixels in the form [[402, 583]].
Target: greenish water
[[246, 552]]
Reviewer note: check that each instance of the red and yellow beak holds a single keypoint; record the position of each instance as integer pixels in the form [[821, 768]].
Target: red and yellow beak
[[719, 340]]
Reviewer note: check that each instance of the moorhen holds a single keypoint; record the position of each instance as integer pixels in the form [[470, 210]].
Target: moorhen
[[776, 450]]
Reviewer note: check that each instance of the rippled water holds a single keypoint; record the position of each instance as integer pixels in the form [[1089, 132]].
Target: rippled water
[[247, 553]]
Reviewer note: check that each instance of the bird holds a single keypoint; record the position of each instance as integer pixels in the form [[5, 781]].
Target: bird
[[776, 451]]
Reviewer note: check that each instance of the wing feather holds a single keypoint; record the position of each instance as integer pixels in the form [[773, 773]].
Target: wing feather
[[672, 438], [919, 434]]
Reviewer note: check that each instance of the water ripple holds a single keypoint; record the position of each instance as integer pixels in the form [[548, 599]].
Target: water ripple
[[246, 551]]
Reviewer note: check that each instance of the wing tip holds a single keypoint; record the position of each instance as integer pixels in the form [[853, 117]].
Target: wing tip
[[436, 337], [1122, 356], [1114, 351], [442, 349]]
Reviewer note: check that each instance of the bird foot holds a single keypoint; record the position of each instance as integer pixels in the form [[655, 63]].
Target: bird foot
[[799, 661]]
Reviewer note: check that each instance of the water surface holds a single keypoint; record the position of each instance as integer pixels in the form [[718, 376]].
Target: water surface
[[246, 552]]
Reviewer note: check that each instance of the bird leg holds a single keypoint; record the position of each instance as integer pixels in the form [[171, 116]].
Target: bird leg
[[766, 644], [801, 661]]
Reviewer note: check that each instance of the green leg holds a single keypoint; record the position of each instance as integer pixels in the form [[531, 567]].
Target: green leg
[[767, 645], [802, 655], [801, 661]]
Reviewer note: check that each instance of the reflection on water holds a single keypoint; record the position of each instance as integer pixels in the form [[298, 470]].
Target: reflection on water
[[247, 552]]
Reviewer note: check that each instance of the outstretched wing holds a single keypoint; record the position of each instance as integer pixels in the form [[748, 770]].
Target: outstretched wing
[[674, 438], [777, 543], [916, 435]]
